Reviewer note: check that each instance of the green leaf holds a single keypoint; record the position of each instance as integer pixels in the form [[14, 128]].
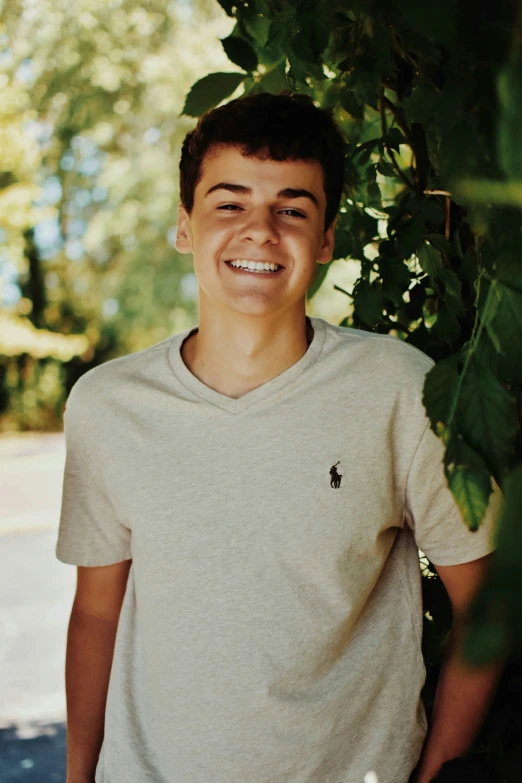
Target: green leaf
[[393, 138], [345, 64], [210, 91], [312, 38], [487, 356], [257, 23], [446, 327], [350, 104], [364, 226], [395, 277], [370, 144], [420, 337], [440, 387], [364, 157], [451, 283], [469, 481], [298, 70], [368, 303], [440, 242], [374, 198], [509, 270], [487, 416], [363, 151], [386, 169], [503, 320], [283, 27], [468, 267], [409, 236], [272, 81], [365, 80], [487, 305], [430, 260], [301, 69], [343, 243], [240, 52]]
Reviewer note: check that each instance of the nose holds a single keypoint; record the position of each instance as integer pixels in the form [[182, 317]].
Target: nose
[[259, 227]]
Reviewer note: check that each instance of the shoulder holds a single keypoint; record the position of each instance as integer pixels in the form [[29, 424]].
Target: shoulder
[[107, 380], [381, 353]]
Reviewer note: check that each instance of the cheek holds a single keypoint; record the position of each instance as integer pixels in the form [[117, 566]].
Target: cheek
[[213, 225], [209, 237], [305, 243]]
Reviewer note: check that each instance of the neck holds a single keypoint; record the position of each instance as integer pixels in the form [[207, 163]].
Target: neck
[[234, 360]]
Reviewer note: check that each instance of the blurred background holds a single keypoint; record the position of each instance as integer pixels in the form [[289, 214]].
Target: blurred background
[[90, 135]]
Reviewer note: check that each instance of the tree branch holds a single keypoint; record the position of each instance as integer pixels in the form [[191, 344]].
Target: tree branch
[[390, 152], [401, 122]]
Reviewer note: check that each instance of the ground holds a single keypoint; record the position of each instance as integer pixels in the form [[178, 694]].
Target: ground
[[36, 594]]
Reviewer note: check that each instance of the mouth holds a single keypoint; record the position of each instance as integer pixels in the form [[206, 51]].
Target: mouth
[[262, 273]]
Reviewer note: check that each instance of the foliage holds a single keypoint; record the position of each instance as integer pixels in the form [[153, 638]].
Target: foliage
[[429, 96]]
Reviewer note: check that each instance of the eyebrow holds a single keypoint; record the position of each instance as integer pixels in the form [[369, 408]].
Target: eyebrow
[[284, 193]]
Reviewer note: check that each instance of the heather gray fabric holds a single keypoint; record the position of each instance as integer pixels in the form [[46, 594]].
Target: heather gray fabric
[[271, 626]]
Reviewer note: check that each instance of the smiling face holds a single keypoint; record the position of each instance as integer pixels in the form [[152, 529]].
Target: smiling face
[[256, 209]]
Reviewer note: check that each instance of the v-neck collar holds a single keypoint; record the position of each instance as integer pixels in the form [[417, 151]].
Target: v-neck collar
[[231, 404]]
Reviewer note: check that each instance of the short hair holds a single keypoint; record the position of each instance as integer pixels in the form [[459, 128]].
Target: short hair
[[288, 125]]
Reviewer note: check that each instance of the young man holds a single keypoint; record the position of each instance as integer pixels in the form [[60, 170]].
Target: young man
[[251, 494]]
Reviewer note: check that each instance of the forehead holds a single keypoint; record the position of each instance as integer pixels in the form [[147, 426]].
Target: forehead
[[225, 162]]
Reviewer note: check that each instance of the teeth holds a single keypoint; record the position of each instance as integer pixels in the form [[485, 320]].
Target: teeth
[[258, 266]]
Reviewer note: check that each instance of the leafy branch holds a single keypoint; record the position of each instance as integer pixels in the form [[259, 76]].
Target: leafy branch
[[389, 150]]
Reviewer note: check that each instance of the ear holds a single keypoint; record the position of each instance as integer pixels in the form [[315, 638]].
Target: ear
[[327, 247], [184, 234]]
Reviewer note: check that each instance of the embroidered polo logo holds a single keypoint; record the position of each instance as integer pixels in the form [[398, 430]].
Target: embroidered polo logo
[[336, 477]]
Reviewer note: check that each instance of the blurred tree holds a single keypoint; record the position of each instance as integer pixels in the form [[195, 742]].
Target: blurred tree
[[90, 136]]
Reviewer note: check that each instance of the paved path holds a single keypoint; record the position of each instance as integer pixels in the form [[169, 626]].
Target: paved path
[[31, 474], [36, 594]]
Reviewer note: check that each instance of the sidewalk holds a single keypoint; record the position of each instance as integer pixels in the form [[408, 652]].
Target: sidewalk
[[36, 594], [31, 473]]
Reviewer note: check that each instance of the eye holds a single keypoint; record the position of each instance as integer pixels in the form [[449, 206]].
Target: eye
[[235, 206], [299, 214]]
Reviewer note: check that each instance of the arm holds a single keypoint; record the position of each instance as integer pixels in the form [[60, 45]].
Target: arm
[[90, 647], [464, 693]]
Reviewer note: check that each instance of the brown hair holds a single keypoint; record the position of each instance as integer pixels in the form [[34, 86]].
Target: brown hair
[[288, 125]]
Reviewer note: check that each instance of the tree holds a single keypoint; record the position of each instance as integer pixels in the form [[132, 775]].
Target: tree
[[91, 94], [430, 98]]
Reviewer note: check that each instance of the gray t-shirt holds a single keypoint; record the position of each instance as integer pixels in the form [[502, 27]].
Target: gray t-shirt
[[271, 626]]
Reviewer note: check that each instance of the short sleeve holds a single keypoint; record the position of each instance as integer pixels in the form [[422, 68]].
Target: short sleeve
[[90, 533], [433, 515]]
